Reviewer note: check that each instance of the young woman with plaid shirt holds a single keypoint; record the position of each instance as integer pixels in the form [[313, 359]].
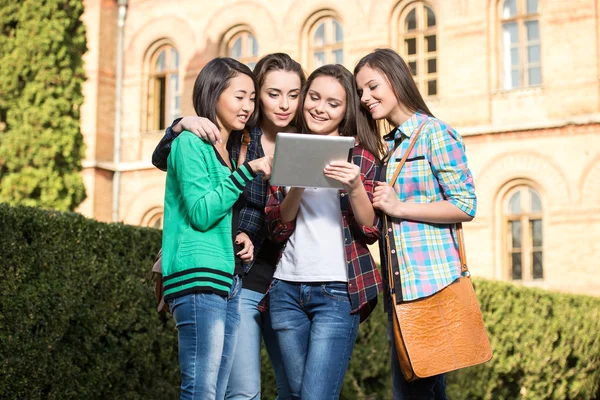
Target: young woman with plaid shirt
[[433, 191], [326, 281]]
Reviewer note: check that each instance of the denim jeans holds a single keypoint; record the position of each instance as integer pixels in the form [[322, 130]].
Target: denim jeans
[[244, 380], [432, 388], [315, 333], [207, 326]]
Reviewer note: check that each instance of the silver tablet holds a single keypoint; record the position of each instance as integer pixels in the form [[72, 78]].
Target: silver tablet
[[299, 159]]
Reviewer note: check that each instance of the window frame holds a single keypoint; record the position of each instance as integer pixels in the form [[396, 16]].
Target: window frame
[[159, 110], [244, 34], [330, 45], [421, 56], [520, 19], [525, 218]]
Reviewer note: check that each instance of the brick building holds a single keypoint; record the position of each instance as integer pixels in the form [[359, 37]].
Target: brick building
[[518, 78]]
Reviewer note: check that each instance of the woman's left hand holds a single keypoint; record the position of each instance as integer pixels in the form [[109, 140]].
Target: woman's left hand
[[346, 173], [386, 199], [247, 252]]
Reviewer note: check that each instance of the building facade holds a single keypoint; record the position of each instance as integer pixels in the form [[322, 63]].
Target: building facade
[[519, 79]]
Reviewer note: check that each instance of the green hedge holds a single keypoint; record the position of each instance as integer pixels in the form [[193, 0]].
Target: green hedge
[[77, 320], [546, 346], [76, 310]]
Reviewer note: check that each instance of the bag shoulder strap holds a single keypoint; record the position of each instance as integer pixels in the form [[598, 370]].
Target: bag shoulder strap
[[413, 141], [464, 269]]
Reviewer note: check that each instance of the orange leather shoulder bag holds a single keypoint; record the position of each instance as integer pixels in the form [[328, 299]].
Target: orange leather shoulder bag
[[442, 332]]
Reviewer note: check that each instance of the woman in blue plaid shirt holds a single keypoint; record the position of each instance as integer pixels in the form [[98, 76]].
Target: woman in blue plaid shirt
[[434, 191], [280, 80]]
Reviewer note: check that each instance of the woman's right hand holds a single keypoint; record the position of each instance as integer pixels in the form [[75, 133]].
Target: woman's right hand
[[262, 166], [386, 199], [201, 127]]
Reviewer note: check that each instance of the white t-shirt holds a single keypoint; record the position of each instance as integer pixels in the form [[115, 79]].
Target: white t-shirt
[[315, 250]]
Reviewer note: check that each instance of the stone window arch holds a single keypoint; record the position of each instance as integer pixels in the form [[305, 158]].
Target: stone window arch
[[241, 43], [154, 218]]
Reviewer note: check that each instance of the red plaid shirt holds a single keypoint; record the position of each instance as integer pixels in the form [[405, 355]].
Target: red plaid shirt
[[364, 280]]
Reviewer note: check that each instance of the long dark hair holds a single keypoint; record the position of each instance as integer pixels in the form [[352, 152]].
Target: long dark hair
[[393, 67], [355, 121], [212, 81], [276, 62]]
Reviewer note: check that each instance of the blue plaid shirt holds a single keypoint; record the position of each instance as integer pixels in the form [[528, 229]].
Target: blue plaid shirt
[[425, 255], [252, 214]]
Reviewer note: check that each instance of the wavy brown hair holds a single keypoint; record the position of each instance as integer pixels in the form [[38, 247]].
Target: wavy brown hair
[[355, 121]]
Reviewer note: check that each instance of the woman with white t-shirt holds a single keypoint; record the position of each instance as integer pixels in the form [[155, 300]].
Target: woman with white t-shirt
[[326, 281]]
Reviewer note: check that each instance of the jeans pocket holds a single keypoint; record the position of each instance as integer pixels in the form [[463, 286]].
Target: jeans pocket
[[178, 301], [337, 291], [236, 286], [274, 283]]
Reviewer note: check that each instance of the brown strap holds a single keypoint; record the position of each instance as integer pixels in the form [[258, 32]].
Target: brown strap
[[458, 227], [244, 147], [413, 140], [461, 249]]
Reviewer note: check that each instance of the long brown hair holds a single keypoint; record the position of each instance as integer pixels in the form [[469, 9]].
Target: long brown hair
[[355, 121], [393, 67]]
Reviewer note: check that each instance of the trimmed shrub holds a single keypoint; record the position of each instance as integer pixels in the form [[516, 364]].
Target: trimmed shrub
[[546, 346], [78, 320], [77, 316]]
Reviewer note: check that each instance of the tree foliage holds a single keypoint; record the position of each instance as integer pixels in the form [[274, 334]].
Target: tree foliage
[[41, 77]]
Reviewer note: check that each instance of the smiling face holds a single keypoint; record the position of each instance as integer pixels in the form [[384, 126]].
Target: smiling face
[[376, 95], [236, 104], [279, 97], [324, 106]]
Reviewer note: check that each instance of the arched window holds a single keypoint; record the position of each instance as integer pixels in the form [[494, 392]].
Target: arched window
[[153, 218], [326, 43], [524, 239], [163, 88], [520, 44], [243, 46], [418, 43]]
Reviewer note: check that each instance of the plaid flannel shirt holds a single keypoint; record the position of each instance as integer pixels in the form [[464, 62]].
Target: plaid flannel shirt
[[252, 217], [364, 280], [425, 255]]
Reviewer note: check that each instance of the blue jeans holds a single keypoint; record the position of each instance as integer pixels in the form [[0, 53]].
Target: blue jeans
[[432, 388], [316, 334], [207, 326], [244, 381]]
